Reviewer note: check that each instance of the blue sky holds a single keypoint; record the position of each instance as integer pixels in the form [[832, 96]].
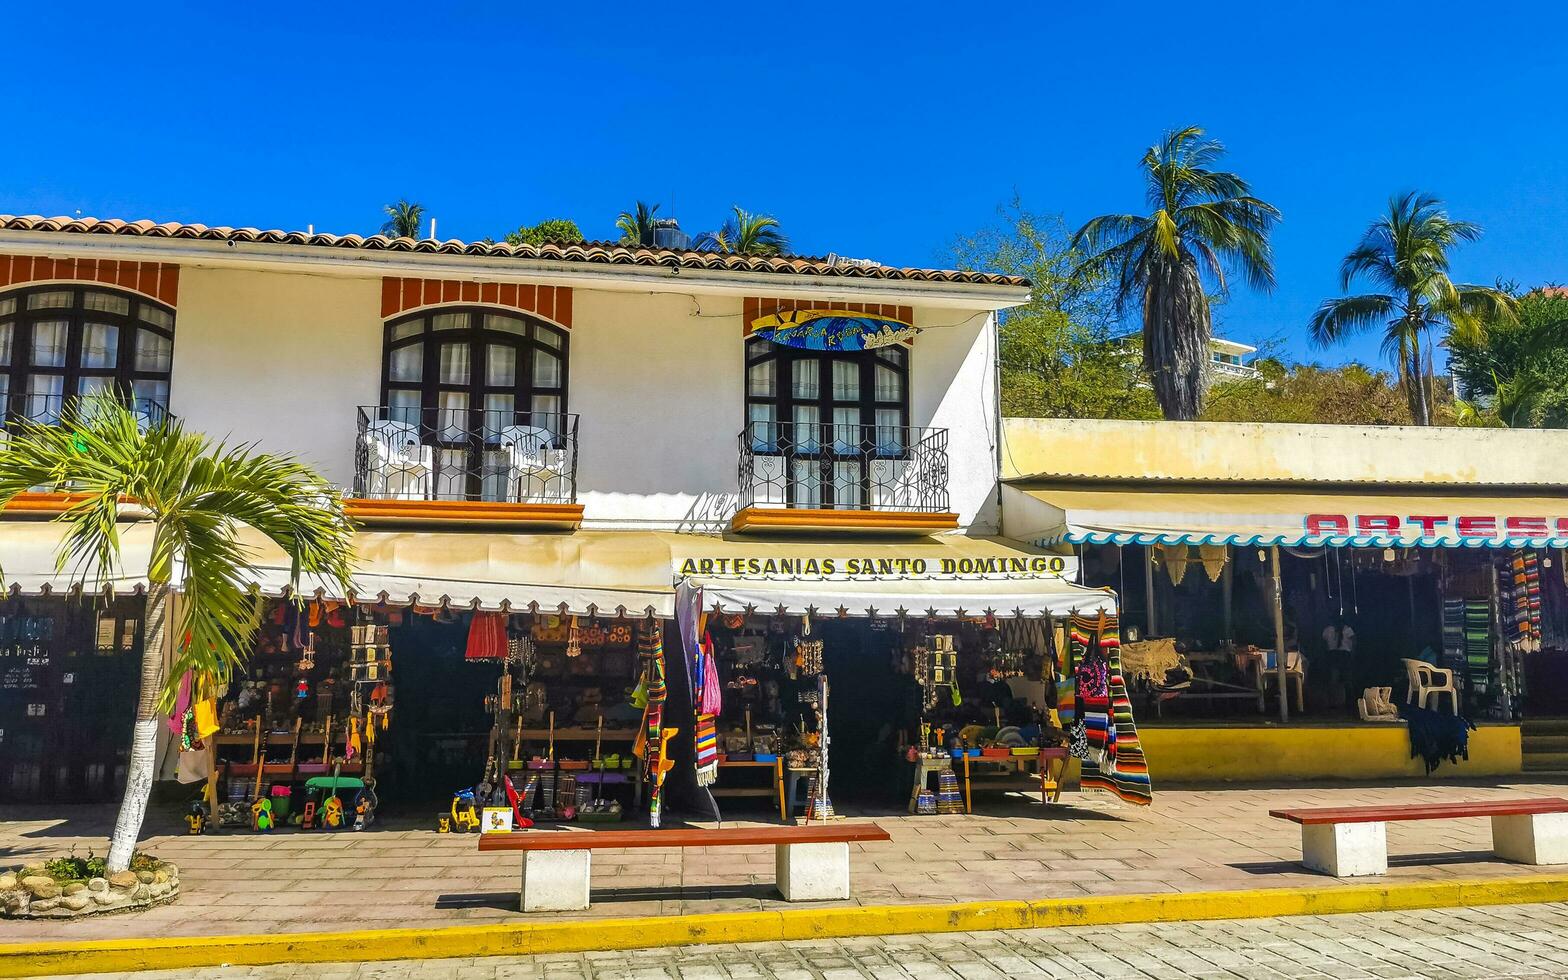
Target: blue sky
[[871, 130]]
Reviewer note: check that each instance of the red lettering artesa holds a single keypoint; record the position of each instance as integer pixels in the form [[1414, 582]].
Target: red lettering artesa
[[1532, 527], [1377, 524], [1320, 524], [1428, 522], [1476, 527]]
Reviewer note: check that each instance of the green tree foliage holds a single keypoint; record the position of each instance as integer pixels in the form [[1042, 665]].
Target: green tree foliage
[[1404, 255], [637, 226], [745, 233], [551, 231], [1200, 222], [1346, 394], [1515, 372], [1058, 356], [403, 219]]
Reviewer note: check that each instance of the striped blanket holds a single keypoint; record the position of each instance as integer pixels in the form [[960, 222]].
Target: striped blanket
[[1114, 762]]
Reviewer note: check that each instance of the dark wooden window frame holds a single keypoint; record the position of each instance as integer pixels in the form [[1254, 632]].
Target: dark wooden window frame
[[478, 339], [783, 400], [123, 374]]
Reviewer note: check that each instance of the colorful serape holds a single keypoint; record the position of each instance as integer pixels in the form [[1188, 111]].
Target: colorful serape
[[650, 647], [707, 739], [1478, 644], [1121, 771]]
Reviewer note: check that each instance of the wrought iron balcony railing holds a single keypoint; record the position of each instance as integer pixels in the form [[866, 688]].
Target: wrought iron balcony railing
[[51, 409], [840, 466], [466, 454]]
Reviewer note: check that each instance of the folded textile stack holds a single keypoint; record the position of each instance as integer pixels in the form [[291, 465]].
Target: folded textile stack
[[948, 798]]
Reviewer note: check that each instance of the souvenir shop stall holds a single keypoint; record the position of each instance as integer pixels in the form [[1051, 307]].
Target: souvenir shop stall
[[1360, 628], [1266, 630], [817, 688], [68, 680], [344, 709]]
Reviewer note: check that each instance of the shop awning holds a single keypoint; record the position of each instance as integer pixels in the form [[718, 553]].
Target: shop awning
[[1083, 514], [949, 575], [28, 563], [606, 573]]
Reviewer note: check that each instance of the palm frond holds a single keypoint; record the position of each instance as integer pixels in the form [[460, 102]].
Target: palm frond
[[1338, 318], [403, 219]]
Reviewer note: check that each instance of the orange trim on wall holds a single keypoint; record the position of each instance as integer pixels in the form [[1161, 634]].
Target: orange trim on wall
[[756, 307], [553, 303], [805, 519], [155, 280]]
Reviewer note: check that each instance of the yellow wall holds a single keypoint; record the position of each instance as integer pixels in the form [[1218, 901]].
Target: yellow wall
[[1116, 449], [1190, 755]]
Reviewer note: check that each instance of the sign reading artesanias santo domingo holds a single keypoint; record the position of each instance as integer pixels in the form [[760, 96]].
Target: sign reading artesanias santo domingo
[[1436, 528], [870, 568]]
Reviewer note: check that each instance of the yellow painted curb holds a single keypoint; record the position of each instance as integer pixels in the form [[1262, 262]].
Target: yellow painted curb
[[525, 938]]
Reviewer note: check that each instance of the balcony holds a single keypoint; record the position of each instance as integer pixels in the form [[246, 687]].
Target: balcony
[[835, 476], [468, 466], [1232, 370], [52, 409]]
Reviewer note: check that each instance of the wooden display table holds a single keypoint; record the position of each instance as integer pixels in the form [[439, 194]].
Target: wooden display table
[[924, 767], [775, 790], [1040, 773]]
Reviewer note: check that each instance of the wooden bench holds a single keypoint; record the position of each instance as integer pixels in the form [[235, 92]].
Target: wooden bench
[[812, 862], [1347, 841]]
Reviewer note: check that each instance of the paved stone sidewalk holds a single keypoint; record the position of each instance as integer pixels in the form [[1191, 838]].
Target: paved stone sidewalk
[[1515, 941], [398, 876]]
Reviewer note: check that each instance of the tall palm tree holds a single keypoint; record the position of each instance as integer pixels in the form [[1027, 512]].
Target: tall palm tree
[[403, 219], [1201, 221], [196, 495], [745, 234], [1405, 254], [637, 227]]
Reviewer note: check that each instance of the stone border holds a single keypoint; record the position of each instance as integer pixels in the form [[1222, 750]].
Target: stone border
[[28, 893]]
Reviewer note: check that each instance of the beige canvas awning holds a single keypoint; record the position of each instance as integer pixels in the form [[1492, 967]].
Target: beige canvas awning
[[1171, 514], [606, 573], [28, 562]]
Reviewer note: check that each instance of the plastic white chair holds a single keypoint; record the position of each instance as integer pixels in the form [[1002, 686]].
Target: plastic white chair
[[1427, 682], [531, 457], [1295, 675], [399, 466]]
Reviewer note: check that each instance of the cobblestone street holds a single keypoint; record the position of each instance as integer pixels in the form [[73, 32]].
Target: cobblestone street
[[1516, 941]]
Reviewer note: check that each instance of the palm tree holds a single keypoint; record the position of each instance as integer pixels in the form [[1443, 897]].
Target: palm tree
[[1202, 221], [1405, 253], [403, 219], [745, 234], [196, 495], [637, 227]]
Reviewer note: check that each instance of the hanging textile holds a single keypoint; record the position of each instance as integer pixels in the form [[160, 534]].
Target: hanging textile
[[1478, 644], [707, 742], [712, 689], [654, 738], [486, 637], [1214, 557], [1454, 635], [1174, 558], [1114, 762], [1066, 683]]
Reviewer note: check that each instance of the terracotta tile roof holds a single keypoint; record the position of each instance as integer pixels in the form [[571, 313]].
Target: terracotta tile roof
[[600, 253]]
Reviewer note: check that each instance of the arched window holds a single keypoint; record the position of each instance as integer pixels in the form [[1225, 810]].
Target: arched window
[[830, 415], [469, 378], [60, 342]]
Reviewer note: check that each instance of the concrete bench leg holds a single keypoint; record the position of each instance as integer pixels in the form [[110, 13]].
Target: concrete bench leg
[[812, 872], [1345, 850], [1531, 838], [555, 881]]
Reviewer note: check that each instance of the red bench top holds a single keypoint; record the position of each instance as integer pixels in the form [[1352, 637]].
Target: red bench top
[[588, 840], [1422, 811]]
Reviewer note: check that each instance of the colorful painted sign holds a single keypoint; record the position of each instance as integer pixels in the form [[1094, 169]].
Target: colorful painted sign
[[1429, 526], [832, 330], [873, 568]]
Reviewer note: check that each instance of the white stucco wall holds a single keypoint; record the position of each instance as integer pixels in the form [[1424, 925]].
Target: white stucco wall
[[285, 360], [280, 360]]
